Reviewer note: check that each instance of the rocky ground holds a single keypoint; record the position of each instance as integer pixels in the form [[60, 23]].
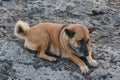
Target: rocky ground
[[17, 63]]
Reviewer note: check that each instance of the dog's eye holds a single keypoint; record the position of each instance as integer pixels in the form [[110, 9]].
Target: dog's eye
[[80, 41]]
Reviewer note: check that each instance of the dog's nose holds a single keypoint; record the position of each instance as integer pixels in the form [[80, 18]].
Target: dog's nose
[[86, 53], [83, 50]]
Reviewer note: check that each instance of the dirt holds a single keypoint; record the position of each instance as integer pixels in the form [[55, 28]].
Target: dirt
[[18, 63]]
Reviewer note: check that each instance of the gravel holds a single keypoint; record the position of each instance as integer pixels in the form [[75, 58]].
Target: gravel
[[18, 63]]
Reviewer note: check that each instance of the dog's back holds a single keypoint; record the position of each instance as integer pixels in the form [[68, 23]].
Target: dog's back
[[42, 34]]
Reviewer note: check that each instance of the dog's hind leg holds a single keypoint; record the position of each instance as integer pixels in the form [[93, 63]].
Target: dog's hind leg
[[41, 54], [79, 62]]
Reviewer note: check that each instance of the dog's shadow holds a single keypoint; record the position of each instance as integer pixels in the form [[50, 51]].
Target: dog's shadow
[[60, 64]]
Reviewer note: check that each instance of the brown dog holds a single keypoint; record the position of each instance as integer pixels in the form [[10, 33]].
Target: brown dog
[[67, 41]]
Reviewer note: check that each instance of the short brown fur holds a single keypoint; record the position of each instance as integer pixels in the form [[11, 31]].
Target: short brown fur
[[52, 35]]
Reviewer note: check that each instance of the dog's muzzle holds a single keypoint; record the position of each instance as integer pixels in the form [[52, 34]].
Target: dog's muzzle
[[81, 50]]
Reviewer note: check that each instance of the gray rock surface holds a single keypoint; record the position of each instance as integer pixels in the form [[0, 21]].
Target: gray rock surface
[[17, 63]]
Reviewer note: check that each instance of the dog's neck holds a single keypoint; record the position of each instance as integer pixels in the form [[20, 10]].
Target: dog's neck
[[64, 40]]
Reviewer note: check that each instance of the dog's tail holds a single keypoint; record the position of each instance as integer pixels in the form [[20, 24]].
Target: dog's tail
[[20, 29]]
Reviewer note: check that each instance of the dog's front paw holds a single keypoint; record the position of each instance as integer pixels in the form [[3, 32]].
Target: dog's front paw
[[84, 69], [92, 62]]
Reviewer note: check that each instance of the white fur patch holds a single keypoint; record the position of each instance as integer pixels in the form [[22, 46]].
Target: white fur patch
[[91, 61], [54, 51], [30, 45], [84, 69]]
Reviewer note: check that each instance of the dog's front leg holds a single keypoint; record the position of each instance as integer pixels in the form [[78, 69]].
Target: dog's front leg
[[91, 61], [79, 62], [41, 54], [89, 58]]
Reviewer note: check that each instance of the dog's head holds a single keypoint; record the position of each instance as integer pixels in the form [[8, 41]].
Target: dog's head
[[79, 39]]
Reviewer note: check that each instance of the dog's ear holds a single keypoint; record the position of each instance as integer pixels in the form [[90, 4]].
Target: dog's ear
[[92, 29], [69, 33]]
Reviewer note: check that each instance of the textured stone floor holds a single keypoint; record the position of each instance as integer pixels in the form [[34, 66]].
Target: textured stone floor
[[17, 63]]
